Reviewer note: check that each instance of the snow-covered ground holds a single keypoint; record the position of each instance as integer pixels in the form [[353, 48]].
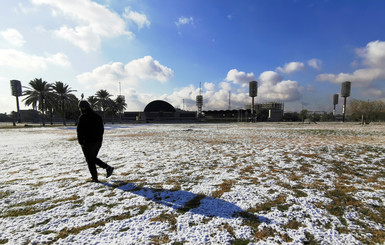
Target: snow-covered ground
[[196, 184]]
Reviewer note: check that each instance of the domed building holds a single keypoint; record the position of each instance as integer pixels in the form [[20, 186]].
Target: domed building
[[160, 111], [159, 106]]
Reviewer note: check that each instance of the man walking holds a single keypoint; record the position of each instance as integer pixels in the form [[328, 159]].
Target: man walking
[[90, 131]]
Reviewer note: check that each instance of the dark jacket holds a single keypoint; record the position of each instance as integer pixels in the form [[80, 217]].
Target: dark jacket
[[90, 127]]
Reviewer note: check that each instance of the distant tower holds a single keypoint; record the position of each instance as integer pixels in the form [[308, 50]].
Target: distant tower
[[199, 101], [16, 91], [335, 102], [253, 91], [229, 100], [345, 92]]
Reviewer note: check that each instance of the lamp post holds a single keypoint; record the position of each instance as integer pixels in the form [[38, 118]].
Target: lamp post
[[335, 102], [16, 91], [253, 91], [345, 92]]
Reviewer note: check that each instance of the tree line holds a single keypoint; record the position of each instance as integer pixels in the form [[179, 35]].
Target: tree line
[[367, 111], [58, 99], [357, 111]]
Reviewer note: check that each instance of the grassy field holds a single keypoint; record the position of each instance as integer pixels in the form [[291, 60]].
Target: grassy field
[[197, 184]]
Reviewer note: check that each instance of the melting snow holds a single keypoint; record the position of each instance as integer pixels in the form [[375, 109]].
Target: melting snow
[[196, 184]]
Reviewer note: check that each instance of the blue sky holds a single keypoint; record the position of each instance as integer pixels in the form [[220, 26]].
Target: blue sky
[[299, 51]]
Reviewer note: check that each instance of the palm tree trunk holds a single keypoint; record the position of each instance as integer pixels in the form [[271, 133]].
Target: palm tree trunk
[[42, 110], [63, 111]]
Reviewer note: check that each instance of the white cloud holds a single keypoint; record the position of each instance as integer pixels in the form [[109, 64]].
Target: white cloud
[[272, 87], [139, 19], [93, 22], [315, 63], [137, 101], [291, 67], [13, 37], [373, 56], [184, 21], [373, 93], [17, 59], [145, 68], [209, 86], [240, 77], [212, 99]]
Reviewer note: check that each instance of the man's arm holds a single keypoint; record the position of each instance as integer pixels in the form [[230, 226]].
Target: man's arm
[[80, 131]]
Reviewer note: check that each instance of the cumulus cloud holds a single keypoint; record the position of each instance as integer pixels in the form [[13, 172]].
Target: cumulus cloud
[[137, 101], [184, 21], [17, 59], [209, 86], [291, 67], [373, 93], [213, 99], [139, 19], [93, 22], [373, 62], [145, 68], [272, 87], [240, 77], [315, 63], [13, 37]]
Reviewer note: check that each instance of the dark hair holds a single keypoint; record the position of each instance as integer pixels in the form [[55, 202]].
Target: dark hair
[[84, 104]]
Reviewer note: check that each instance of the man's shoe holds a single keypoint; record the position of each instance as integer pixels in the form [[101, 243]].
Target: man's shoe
[[93, 180], [109, 171]]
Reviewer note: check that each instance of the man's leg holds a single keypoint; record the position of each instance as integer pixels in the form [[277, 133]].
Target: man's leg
[[90, 152], [99, 162]]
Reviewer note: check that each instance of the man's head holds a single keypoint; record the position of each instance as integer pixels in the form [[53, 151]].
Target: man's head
[[84, 105]]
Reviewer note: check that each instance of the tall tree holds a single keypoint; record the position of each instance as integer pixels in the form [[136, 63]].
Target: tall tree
[[121, 106], [104, 100], [366, 110], [65, 97], [93, 102], [39, 95]]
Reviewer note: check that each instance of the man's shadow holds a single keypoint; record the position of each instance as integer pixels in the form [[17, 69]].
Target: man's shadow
[[184, 201]]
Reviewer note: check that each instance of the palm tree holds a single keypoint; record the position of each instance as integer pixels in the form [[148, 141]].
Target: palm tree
[[39, 95], [93, 102], [103, 97], [121, 105], [65, 97]]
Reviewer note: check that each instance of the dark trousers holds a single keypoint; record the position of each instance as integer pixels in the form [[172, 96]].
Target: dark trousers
[[90, 151]]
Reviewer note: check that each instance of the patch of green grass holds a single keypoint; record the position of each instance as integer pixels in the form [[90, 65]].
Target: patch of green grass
[[47, 232], [5, 194], [310, 239], [20, 212], [166, 217], [142, 209], [94, 206], [249, 219], [193, 203], [71, 198], [240, 242], [264, 233], [31, 202], [161, 239], [224, 187], [300, 193], [293, 224]]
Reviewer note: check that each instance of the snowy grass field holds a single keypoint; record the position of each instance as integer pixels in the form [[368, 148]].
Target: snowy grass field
[[196, 184]]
